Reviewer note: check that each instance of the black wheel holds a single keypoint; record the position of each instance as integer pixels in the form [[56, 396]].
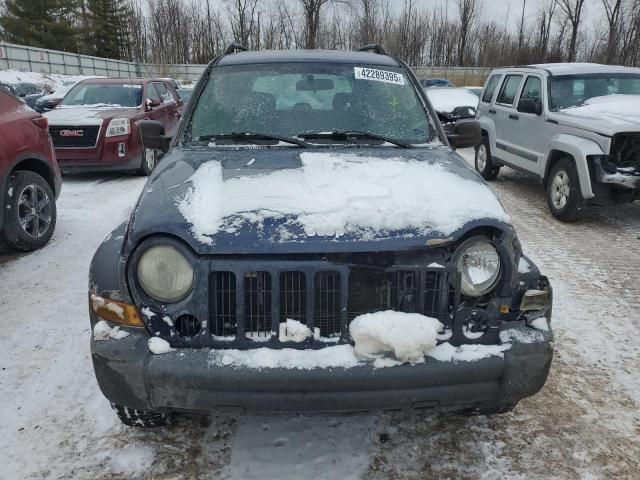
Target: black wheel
[[141, 418], [563, 191], [484, 165], [149, 160], [30, 211]]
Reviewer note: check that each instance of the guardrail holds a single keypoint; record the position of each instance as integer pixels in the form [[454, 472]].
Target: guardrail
[[42, 60]]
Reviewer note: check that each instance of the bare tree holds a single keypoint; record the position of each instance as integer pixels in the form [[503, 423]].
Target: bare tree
[[242, 15], [467, 9], [612, 9], [573, 13]]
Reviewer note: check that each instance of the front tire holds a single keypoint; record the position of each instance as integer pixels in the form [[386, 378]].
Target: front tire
[[484, 163], [149, 161], [564, 196], [132, 417], [30, 212]]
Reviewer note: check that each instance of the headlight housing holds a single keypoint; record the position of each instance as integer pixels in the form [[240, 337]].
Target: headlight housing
[[118, 126], [165, 274], [479, 265]]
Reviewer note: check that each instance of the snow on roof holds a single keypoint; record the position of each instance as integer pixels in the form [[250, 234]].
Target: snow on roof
[[447, 99], [50, 81], [331, 194]]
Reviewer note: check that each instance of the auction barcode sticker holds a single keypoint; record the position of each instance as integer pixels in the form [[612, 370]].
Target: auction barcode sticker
[[378, 75]]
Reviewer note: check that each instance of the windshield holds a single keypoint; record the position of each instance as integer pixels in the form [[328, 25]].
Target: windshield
[[574, 90], [303, 99], [107, 94]]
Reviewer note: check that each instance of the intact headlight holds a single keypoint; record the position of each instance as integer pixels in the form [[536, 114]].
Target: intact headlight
[[165, 274], [478, 262], [118, 126]]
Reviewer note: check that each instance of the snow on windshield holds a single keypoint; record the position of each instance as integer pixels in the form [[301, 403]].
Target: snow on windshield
[[446, 100], [334, 194], [611, 108]]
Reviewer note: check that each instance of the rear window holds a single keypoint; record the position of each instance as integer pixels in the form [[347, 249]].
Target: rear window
[[509, 89], [490, 88]]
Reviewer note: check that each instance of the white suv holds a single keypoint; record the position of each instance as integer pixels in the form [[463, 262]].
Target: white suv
[[574, 126]]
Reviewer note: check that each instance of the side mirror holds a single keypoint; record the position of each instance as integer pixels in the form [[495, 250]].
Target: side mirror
[[466, 133], [153, 137], [22, 95], [529, 105], [152, 103]]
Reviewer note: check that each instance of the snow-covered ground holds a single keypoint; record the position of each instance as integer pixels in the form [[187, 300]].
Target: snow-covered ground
[[584, 424]]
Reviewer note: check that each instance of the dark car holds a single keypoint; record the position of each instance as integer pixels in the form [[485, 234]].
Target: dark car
[[436, 82], [312, 243], [452, 104], [51, 101], [29, 176], [29, 93], [95, 126]]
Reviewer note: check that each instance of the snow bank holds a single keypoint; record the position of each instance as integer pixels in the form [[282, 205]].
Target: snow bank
[[102, 331], [50, 81], [333, 194], [159, 346], [446, 100], [408, 336]]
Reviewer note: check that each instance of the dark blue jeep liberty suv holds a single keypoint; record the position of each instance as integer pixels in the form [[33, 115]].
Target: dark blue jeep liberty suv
[[311, 242]]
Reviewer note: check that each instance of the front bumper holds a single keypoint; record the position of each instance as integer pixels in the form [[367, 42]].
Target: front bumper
[[186, 380]]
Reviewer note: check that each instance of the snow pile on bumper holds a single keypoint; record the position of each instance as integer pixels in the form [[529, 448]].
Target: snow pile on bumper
[[408, 336]]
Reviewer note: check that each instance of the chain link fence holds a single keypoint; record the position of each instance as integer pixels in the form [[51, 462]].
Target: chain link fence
[[31, 59]]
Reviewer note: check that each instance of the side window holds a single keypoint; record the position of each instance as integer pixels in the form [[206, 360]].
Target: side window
[[165, 96], [509, 89], [490, 88], [152, 92], [532, 89]]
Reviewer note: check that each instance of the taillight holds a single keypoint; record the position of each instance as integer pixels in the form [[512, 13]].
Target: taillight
[[41, 122]]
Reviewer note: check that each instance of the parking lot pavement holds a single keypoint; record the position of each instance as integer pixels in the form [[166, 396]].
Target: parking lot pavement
[[584, 424]]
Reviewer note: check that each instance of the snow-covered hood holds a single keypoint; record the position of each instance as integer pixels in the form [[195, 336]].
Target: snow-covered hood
[[447, 99], [290, 200], [87, 115], [607, 115]]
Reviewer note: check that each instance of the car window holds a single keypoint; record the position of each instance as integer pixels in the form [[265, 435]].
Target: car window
[[165, 96], [490, 88], [292, 99], [152, 92], [104, 94], [509, 89], [532, 88], [575, 90]]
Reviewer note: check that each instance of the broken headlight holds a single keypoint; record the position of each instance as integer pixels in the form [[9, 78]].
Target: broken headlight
[[478, 262], [165, 274]]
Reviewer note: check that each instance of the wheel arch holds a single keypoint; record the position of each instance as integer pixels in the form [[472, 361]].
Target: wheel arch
[[576, 149], [30, 163]]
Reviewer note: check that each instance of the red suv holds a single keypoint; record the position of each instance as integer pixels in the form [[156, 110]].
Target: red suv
[[95, 126], [29, 176]]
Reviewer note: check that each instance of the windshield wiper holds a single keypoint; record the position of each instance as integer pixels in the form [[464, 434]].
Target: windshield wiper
[[254, 138], [346, 134]]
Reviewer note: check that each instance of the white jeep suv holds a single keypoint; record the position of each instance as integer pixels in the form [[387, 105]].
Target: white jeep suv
[[574, 126]]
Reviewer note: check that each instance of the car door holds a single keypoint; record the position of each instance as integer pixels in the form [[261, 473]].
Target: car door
[[507, 121], [530, 129]]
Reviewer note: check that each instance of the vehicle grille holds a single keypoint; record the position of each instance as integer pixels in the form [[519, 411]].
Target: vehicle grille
[[84, 136], [625, 150], [250, 305]]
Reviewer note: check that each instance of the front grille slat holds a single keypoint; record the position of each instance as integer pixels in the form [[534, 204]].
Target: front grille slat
[[74, 136], [248, 304]]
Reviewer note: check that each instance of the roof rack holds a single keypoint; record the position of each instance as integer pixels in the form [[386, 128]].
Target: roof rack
[[373, 47], [235, 47]]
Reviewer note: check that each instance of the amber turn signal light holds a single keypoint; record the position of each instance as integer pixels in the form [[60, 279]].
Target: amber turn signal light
[[117, 312]]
